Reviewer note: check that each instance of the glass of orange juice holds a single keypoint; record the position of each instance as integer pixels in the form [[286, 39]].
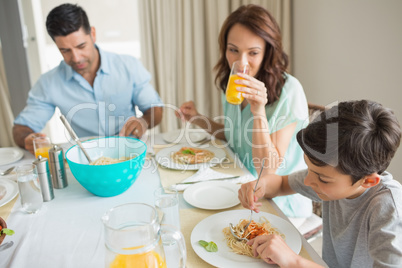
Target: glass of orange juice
[[42, 146], [232, 95]]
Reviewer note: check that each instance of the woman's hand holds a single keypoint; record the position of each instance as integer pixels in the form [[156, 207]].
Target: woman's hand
[[247, 196], [254, 92], [273, 250], [187, 111]]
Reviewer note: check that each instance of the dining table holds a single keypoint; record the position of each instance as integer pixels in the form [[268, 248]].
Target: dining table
[[68, 232]]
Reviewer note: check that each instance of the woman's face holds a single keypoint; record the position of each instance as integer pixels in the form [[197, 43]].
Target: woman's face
[[245, 46]]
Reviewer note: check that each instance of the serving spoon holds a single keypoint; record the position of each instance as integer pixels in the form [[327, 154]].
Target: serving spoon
[[251, 215], [74, 136]]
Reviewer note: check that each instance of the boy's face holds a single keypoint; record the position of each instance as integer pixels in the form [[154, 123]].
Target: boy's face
[[330, 184]]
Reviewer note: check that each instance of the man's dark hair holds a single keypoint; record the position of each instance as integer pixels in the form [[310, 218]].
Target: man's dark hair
[[66, 19], [358, 138]]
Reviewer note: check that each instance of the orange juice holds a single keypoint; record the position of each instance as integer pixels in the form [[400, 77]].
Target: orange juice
[[150, 259], [232, 95], [42, 151]]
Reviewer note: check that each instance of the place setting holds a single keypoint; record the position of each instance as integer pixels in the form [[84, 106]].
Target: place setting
[[229, 246]]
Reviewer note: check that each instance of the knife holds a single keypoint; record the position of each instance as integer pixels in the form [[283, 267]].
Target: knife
[[221, 179]]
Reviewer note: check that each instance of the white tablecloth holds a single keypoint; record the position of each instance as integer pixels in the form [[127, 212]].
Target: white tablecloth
[[67, 231]]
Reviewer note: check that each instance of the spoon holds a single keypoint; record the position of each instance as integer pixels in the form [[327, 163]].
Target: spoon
[[74, 136], [7, 171], [251, 215]]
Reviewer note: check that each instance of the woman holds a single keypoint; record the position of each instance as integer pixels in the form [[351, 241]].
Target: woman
[[274, 109]]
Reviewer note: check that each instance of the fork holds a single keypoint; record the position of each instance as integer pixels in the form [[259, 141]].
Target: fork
[[204, 141], [255, 189]]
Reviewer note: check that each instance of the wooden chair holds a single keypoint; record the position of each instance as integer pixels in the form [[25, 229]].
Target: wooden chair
[[314, 109]]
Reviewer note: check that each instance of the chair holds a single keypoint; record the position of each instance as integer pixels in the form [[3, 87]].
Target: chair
[[313, 110]]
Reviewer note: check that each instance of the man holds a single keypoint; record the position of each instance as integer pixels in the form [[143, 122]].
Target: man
[[96, 90]]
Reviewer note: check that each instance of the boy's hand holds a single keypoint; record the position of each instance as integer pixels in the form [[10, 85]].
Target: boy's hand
[[247, 196], [273, 250]]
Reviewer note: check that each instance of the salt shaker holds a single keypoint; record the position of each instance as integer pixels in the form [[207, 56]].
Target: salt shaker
[[45, 179], [57, 169]]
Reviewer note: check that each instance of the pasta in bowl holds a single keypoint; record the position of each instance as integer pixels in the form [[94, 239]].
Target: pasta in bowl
[[116, 164]]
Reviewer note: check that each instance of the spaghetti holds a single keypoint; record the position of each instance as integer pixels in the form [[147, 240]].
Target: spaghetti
[[190, 155], [253, 230], [104, 160]]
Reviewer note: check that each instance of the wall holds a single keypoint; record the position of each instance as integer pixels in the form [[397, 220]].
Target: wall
[[350, 49]]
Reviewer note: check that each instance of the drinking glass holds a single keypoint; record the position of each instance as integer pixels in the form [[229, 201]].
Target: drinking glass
[[133, 237], [167, 201], [29, 188], [232, 95], [42, 146]]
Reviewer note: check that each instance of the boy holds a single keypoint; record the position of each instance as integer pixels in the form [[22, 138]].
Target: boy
[[347, 149]]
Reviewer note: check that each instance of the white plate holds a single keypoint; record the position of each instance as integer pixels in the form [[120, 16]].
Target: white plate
[[210, 229], [10, 155], [212, 195], [163, 157], [11, 191], [183, 136]]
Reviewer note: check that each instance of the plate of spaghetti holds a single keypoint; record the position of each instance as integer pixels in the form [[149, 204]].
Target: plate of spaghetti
[[233, 253], [184, 157]]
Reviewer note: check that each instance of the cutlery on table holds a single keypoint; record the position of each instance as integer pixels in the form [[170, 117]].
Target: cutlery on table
[[6, 245], [220, 179], [251, 215], [8, 171], [203, 141]]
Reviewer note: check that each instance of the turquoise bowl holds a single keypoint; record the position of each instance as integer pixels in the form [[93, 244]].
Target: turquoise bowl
[[107, 180]]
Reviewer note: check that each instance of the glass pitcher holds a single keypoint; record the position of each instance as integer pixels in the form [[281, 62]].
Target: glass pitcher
[[133, 237]]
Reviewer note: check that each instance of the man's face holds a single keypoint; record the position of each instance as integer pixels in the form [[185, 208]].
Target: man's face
[[330, 184], [78, 50]]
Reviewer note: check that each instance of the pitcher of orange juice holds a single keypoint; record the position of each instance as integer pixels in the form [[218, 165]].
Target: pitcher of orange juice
[[232, 95], [133, 237]]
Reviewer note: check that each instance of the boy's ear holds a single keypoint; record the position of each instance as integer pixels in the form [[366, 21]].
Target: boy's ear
[[371, 180]]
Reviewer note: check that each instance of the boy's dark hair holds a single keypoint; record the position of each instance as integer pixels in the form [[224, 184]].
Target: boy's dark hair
[[356, 137], [66, 19]]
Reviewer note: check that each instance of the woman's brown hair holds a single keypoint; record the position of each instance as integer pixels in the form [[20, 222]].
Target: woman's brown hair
[[260, 22]]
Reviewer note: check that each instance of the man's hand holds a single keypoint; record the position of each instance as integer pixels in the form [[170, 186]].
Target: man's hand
[[24, 135], [137, 126], [134, 126], [29, 141]]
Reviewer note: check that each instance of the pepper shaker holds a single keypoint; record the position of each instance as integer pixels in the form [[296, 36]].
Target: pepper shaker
[[45, 179], [57, 169]]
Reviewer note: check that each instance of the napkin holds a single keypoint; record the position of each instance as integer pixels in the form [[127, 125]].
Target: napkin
[[207, 174]]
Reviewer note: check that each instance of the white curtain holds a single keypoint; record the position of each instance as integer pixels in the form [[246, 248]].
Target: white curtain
[[179, 46], [6, 115]]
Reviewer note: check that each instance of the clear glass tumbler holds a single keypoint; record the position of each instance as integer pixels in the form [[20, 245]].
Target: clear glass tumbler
[[29, 188]]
